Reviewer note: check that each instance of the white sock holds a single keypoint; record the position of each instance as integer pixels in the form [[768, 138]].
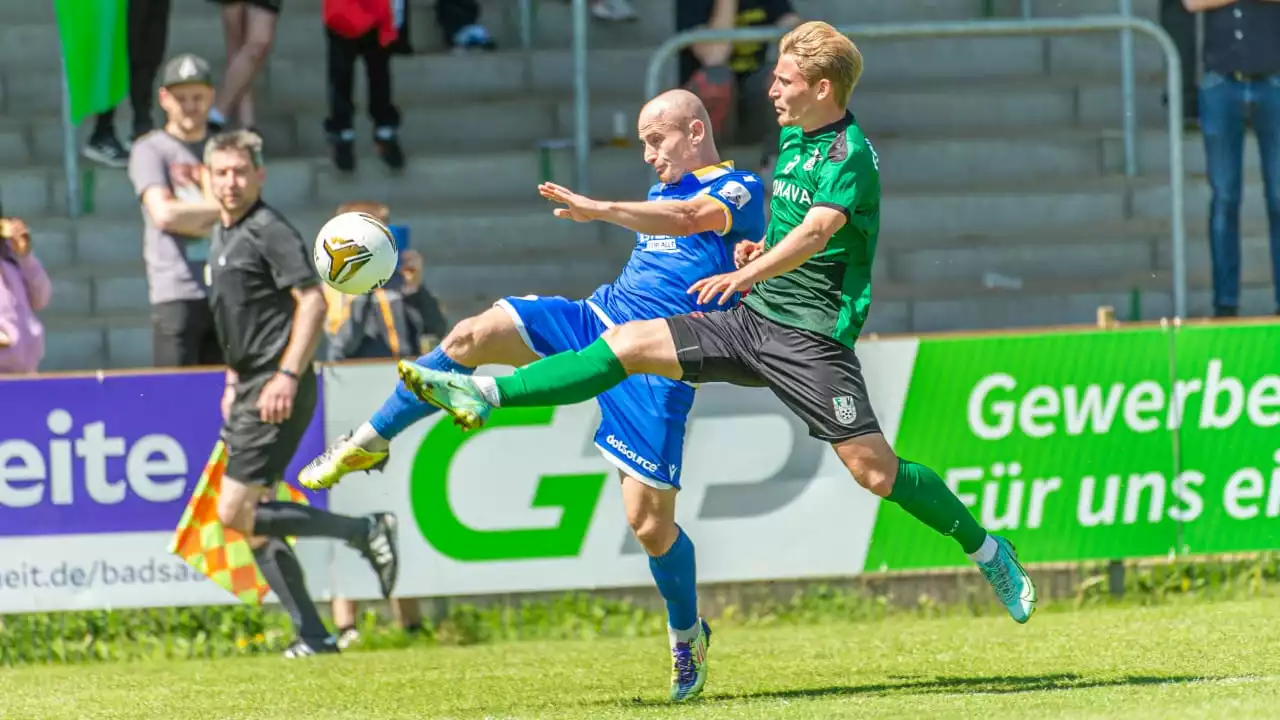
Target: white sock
[[987, 552], [684, 636], [216, 117], [367, 438], [488, 388]]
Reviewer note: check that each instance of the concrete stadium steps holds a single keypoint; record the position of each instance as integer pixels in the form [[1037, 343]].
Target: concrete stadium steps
[[298, 75], [1000, 155], [520, 121], [1054, 158]]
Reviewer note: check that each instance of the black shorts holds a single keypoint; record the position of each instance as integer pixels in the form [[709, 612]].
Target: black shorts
[[183, 334], [268, 5], [258, 452], [816, 377]]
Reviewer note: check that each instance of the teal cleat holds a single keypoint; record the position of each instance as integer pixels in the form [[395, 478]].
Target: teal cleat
[[689, 665], [455, 394], [1011, 582]]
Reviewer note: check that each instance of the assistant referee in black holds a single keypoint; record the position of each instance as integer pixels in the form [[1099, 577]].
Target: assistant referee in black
[[268, 309]]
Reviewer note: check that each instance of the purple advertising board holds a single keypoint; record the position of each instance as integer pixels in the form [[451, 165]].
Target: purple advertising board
[[113, 454]]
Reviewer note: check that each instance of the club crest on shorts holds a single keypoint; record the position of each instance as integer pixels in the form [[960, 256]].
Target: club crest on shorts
[[846, 411]]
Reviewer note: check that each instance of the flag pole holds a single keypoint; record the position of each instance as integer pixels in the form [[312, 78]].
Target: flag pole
[[70, 162]]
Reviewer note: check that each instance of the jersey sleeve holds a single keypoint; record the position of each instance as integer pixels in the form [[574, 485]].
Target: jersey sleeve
[[839, 177], [286, 254], [742, 196]]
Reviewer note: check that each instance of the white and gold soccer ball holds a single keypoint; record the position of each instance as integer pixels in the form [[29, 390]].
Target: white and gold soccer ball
[[355, 253]]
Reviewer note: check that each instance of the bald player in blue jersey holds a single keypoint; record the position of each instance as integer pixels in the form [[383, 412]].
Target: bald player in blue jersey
[[687, 230]]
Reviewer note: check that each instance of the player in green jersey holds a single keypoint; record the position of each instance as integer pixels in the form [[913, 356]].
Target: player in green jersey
[[810, 283]]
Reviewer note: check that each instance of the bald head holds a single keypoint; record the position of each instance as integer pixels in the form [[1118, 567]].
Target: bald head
[[674, 107], [676, 132]]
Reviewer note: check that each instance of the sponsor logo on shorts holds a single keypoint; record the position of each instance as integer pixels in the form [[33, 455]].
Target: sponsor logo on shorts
[[630, 454], [846, 411]]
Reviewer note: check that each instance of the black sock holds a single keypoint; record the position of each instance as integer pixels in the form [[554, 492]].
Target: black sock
[[284, 574], [286, 519], [105, 125]]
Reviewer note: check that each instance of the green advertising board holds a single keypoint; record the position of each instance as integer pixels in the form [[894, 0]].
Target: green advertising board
[[1096, 445]]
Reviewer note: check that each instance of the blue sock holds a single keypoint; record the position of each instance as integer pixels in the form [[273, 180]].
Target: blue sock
[[676, 575], [403, 409]]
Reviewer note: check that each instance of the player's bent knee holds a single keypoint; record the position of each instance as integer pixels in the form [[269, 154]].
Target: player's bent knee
[[463, 341], [490, 337], [870, 461], [645, 347], [655, 534]]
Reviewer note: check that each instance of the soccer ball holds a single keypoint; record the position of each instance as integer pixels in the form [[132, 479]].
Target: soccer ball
[[355, 253]]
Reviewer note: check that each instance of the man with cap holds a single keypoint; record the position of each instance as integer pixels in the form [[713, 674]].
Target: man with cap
[[166, 171]]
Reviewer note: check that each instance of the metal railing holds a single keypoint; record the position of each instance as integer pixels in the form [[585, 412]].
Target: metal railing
[[997, 28]]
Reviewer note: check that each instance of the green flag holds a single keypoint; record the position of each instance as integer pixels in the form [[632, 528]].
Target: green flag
[[95, 54]]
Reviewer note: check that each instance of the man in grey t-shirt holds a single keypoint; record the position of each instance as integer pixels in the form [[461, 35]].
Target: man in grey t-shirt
[[167, 174]]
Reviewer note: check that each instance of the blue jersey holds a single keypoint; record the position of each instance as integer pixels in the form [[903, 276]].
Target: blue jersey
[[655, 282]]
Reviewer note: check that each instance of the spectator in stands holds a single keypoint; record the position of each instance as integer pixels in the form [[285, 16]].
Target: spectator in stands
[[387, 323], [148, 24], [168, 177], [250, 30], [402, 320], [368, 29], [459, 22], [733, 79], [24, 291], [1241, 80]]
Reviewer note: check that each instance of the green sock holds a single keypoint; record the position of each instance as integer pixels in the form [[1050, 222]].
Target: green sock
[[920, 491], [563, 379]]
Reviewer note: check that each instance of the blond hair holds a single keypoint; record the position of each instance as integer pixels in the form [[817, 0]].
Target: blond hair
[[243, 141], [823, 53]]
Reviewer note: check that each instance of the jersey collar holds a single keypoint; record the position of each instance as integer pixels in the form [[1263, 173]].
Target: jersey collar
[[706, 175], [836, 126]]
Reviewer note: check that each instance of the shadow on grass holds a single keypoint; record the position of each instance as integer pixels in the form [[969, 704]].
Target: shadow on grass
[[944, 685]]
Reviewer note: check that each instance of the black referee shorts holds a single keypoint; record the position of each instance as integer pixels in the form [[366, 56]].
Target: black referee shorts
[[816, 377], [259, 452]]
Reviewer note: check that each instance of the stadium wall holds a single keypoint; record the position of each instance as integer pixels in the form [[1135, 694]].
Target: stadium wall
[[1080, 445]]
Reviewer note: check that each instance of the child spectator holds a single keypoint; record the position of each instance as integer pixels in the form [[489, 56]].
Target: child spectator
[[373, 30], [24, 291], [387, 323], [401, 320]]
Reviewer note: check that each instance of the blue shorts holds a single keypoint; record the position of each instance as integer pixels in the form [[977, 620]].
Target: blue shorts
[[642, 419]]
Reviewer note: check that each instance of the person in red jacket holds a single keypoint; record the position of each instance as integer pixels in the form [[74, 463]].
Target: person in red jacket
[[373, 30]]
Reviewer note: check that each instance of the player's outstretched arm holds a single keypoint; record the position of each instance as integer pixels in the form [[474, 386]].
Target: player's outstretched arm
[[655, 217], [802, 243]]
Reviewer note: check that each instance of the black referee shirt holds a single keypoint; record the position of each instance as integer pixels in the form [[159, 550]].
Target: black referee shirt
[[255, 264], [1243, 37]]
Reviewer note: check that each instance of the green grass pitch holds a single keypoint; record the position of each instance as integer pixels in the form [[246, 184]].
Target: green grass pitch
[[1183, 660]]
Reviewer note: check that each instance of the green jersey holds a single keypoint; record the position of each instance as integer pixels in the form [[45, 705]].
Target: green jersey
[[830, 294]]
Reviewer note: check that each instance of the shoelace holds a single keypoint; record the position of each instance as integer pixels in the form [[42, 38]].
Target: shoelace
[[997, 573], [685, 671]]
